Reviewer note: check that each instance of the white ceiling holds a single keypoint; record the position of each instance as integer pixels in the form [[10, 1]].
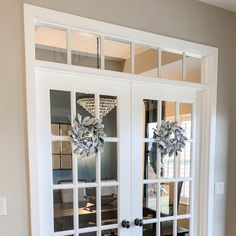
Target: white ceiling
[[225, 4]]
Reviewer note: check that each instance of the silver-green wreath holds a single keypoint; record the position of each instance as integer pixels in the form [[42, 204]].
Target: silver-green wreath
[[87, 135], [170, 138]]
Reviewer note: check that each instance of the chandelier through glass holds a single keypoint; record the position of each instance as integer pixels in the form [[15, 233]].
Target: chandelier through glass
[[106, 104]]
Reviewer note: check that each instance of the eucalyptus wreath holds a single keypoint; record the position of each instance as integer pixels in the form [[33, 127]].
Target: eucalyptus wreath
[[87, 135], [170, 138]]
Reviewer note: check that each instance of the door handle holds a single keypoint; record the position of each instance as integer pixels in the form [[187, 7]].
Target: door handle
[[138, 222], [125, 224]]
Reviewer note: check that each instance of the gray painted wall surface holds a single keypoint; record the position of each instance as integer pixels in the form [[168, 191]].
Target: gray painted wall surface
[[184, 19]]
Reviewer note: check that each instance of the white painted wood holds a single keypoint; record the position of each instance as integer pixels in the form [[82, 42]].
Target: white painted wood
[[47, 81], [111, 75], [139, 93], [206, 105]]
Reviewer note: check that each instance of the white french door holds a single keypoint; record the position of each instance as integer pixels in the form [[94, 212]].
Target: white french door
[[128, 189], [162, 187], [88, 196]]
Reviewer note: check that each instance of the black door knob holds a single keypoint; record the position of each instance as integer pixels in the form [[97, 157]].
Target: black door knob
[[138, 222], [125, 224]]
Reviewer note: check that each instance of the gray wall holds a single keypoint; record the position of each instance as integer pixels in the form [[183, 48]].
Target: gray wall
[[184, 19]]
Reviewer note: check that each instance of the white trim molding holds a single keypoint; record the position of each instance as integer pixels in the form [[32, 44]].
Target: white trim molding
[[206, 105]]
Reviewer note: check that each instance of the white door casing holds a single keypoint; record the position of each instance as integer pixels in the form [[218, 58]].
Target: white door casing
[[205, 106]]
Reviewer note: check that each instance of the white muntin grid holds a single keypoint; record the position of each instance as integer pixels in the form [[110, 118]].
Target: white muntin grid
[[75, 185], [176, 179], [103, 37]]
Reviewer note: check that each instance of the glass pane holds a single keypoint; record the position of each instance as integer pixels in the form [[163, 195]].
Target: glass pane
[[150, 160], [184, 190], [109, 162], [168, 111], [61, 162], [89, 234], [185, 161], [146, 60], [50, 44], [193, 69], [168, 167], [60, 107], [171, 66], [87, 169], [150, 117], [149, 230], [167, 199], [109, 205], [167, 228], [108, 111], [149, 201], [183, 227], [87, 207], [63, 209], [85, 49], [110, 232], [117, 56], [85, 104], [185, 118]]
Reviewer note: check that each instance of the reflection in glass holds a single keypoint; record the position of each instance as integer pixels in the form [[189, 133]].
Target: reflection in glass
[[63, 209], [50, 44], [168, 167], [167, 228], [108, 111], [150, 160], [89, 234], [171, 66], [61, 162], [146, 60], [184, 198], [87, 207], [110, 232], [117, 56], [167, 199], [60, 108], [86, 50], [109, 162], [149, 201], [149, 230], [109, 205], [185, 118], [183, 227], [150, 117], [87, 169], [85, 106], [60, 129], [168, 111], [184, 159], [193, 69]]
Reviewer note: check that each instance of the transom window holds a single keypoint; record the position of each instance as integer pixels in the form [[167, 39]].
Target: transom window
[[97, 51]]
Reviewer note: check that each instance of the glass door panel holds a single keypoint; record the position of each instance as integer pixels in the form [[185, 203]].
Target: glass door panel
[[90, 195], [165, 181]]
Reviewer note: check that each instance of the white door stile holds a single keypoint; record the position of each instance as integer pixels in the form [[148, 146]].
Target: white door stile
[[44, 159]]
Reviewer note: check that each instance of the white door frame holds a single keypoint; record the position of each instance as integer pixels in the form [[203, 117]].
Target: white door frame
[[207, 93]]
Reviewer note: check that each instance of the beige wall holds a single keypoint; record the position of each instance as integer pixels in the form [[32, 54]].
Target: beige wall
[[189, 20]]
